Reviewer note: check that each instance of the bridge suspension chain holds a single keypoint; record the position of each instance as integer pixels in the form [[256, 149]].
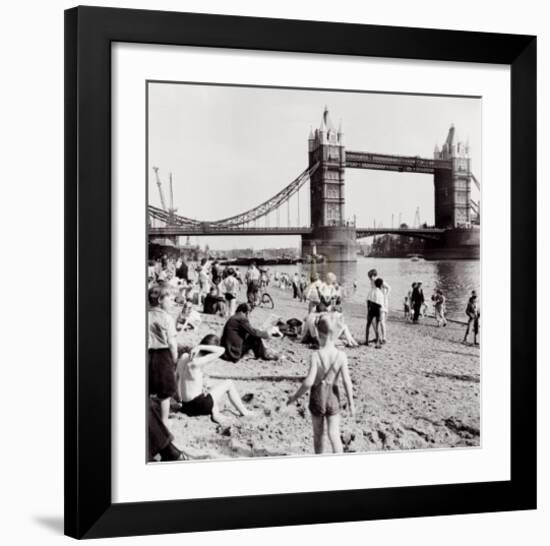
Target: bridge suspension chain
[[248, 217]]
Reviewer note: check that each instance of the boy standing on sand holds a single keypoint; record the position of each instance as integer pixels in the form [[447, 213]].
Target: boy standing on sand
[[382, 311], [326, 367], [375, 306], [196, 400], [162, 348]]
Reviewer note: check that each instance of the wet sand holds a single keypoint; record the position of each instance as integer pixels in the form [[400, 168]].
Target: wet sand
[[420, 390]]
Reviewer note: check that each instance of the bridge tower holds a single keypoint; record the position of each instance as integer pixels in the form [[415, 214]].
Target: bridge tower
[[452, 184], [332, 236]]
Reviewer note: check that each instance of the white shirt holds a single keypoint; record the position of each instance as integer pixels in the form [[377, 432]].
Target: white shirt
[[312, 290], [253, 274], [377, 296], [231, 285]]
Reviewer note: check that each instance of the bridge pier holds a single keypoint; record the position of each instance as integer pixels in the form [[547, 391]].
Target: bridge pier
[[334, 243]]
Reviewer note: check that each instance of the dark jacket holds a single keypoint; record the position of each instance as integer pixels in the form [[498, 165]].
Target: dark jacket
[[235, 331], [182, 272], [417, 296]]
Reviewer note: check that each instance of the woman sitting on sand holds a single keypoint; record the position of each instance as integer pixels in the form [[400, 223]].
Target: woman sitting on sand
[[342, 331], [195, 399], [327, 366], [314, 291]]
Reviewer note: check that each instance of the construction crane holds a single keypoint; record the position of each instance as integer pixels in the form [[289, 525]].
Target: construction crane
[[159, 184], [172, 210], [416, 222]]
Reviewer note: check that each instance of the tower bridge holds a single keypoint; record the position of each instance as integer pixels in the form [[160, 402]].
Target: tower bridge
[[456, 230]]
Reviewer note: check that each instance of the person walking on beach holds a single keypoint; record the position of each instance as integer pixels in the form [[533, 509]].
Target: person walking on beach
[[473, 314], [216, 272], [439, 307], [417, 300], [327, 366], [162, 348], [252, 283], [182, 271], [195, 399], [239, 337], [296, 286]]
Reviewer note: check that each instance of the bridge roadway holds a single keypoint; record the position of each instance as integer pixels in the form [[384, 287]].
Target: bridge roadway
[[205, 230]]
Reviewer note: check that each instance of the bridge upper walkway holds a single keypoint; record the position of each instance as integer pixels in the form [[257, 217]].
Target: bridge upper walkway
[[206, 230]]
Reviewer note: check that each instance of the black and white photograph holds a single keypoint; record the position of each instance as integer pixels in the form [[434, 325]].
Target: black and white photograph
[[313, 278]]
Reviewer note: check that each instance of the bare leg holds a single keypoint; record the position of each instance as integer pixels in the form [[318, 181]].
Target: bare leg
[[377, 331], [467, 331], [348, 337], [382, 326], [228, 387], [333, 426], [165, 410], [318, 433], [179, 376], [370, 320], [216, 416]]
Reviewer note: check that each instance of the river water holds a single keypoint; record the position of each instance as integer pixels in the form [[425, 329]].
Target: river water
[[457, 279]]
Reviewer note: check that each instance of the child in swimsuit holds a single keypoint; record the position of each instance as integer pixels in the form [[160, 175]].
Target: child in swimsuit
[[196, 400], [326, 367]]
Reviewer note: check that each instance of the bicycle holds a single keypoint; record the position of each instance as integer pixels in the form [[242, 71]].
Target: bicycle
[[265, 301]]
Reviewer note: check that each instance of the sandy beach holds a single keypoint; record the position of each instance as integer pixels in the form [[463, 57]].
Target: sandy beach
[[420, 390]]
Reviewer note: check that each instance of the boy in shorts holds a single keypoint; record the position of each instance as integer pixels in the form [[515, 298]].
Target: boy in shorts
[[195, 399], [375, 305], [162, 348]]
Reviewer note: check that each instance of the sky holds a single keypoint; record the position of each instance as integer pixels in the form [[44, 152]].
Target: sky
[[230, 148]]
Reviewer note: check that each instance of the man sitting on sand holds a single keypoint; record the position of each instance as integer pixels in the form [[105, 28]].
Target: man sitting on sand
[[213, 303], [195, 399], [239, 337]]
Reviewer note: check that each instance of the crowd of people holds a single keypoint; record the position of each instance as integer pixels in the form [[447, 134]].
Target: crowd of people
[[178, 294]]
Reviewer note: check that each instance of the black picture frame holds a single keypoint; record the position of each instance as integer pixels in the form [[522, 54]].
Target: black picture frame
[[89, 33]]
